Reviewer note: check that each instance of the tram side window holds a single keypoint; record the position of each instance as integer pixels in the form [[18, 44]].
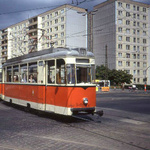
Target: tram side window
[[60, 72], [71, 74], [15, 73], [83, 74], [23, 70], [9, 75], [32, 72], [51, 72]]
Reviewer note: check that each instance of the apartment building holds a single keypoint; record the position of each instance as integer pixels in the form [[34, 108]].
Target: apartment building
[[64, 26], [121, 36]]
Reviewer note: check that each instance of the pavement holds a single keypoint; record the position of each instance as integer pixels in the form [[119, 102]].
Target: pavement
[[124, 91]]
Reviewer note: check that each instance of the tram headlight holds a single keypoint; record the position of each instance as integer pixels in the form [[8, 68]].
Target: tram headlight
[[85, 101]]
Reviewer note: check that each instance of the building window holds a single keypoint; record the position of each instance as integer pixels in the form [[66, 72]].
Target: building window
[[134, 16], [127, 22], [62, 27], [138, 48], [56, 21], [144, 41], [134, 56], [127, 63], [120, 13], [119, 4], [62, 11], [144, 56], [128, 6], [138, 56], [144, 17], [127, 55], [134, 40], [127, 47], [144, 64], [138, 64], [43, 18], [119, 21], [134, 23], [120, 38], [43, 25], [62, 34], [47, 16], [144, 25], [134, 31], [56, 36], [127, 14], [62, 42], [144, 33], [138, 8], [134, 7], [56, 13], [138, 32], [134, 48], [119, 63], [62, 19], [47, 23], [128, 31], [120, 55], [134, 64], [144, 9], [56, 28], [138, 16], [120, 46], [50, 29], [128, 39], [144, 49], [119, 29]]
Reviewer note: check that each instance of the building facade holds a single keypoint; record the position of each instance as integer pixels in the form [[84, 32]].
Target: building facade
[[60, 27], [121, 37]]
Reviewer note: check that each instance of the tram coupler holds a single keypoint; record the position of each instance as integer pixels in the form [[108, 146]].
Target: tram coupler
[[99, 113]]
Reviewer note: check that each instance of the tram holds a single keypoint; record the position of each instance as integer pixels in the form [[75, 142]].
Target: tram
[[58, 81]]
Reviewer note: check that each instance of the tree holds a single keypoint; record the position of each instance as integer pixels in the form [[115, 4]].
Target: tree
[[115, 76]]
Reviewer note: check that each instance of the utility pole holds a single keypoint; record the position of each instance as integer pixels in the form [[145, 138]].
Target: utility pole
[[106, 64]]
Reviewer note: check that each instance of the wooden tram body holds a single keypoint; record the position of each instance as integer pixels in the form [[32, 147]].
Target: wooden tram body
[[61, 81]]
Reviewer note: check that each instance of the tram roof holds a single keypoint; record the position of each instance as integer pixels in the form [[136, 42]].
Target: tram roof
[[50, 53]]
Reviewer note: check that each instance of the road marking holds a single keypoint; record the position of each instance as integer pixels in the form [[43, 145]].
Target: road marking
[[132, 121]]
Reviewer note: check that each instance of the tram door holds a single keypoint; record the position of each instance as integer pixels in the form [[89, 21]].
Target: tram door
[[50, 88]]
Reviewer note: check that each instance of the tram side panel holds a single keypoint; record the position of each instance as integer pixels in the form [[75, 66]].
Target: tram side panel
[[62, 99], [34, 95]]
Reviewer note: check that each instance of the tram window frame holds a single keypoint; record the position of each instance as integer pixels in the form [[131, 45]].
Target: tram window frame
[[71, 74], [32, 76], [23, 73], [15, 73], [9, 76], [51, 72], [60, 71], [84, 74]]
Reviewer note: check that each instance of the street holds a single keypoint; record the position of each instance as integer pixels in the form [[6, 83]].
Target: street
[[124, 126]]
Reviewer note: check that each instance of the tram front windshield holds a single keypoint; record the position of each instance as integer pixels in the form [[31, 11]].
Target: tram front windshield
[[83, 74]]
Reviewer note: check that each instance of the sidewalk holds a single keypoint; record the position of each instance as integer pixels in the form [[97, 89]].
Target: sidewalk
[[125, 91]]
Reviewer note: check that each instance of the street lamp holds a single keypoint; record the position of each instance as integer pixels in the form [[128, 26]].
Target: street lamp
[[145, 78]]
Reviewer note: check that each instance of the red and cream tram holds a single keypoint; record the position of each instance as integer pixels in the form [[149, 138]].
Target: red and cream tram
[[58, 81]]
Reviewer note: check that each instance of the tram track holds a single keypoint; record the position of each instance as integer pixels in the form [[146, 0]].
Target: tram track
[[95, 123]]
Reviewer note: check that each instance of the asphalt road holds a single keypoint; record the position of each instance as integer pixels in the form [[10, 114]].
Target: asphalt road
[[128, 101], [124, 126]]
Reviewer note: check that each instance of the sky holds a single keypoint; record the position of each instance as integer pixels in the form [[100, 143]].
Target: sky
[[14, 11]]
